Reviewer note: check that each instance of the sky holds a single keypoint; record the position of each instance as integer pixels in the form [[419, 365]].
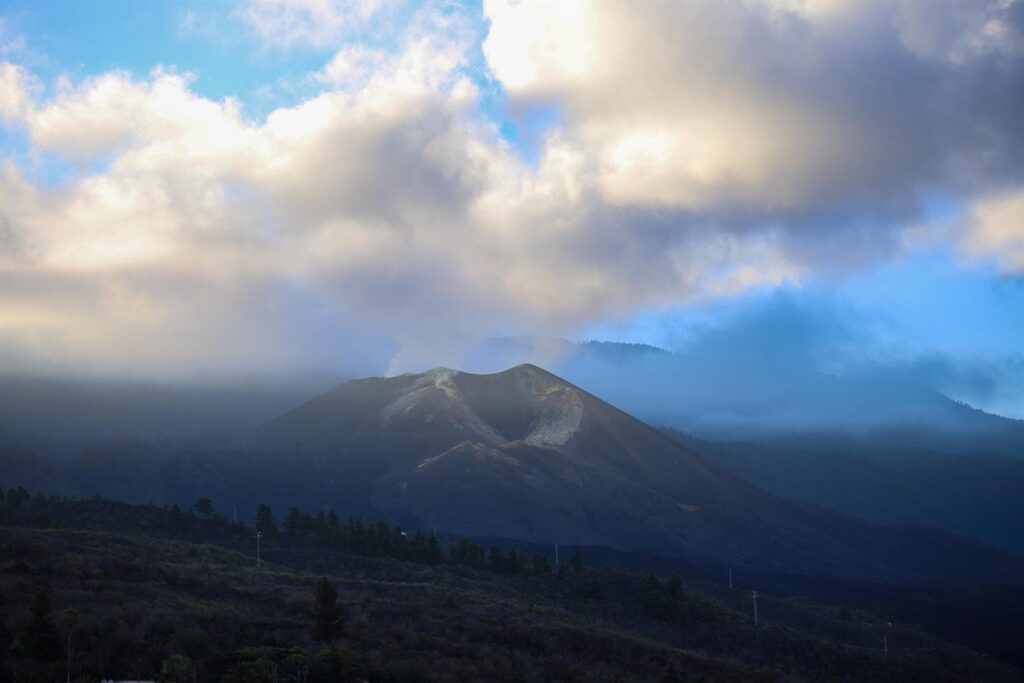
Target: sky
[[192, 189]]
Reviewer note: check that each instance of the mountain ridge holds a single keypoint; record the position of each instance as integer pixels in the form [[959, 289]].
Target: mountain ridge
[[520, 454], [714, 394], [523, 453]]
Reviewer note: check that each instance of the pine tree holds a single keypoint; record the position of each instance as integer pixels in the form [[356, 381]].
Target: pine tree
[[43, 641], [204, 506], [540, 564], [516, 561], [435, 553], [293, 522], [467, 554], [333, 526], [320, 526], [16, 497], [327, 617], [265, 521], [496, 559], [418, 547], [575, 561]]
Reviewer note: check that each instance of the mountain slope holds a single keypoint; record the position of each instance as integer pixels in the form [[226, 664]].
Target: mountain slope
[[524, 454], [976, 496], [716, 394]]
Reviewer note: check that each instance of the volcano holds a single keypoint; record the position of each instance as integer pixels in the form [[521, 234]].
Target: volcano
[[523, 454]]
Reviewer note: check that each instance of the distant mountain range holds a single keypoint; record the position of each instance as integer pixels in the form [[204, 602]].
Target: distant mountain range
[[524, 454], [729, 397], [713, 397], [520, 454]]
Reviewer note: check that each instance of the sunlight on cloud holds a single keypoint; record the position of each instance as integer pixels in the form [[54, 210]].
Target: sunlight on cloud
[[14, 92], [764, 105], [995, 228], [707, 148]]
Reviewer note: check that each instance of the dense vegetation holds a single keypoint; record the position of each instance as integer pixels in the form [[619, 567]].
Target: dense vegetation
[[176, 595]]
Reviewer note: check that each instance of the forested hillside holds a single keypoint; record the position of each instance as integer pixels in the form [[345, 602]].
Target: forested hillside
[[149, 592]]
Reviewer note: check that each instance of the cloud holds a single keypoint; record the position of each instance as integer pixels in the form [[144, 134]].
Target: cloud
[[703, 149], [774, 109], [15, 86], [317, 23], [11, 43], [383, 206], [957, 31], [995, 228], [789, 359]]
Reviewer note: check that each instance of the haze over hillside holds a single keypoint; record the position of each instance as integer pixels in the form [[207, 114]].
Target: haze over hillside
[[520, 454], [715, 397], [115, 438], [724, 396]]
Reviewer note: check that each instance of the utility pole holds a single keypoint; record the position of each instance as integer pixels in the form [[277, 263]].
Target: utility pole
[[753, 594], [556, 556], [259, 560], [70, 619], [730, 578], [885, 638], [236, 514]]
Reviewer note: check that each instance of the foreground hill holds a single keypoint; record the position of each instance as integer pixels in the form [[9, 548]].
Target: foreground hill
[[524, 454], [152, 586]]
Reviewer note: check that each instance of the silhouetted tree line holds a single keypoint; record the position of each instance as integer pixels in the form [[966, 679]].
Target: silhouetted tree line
[[325, 529], [380, 539], [15, 497]]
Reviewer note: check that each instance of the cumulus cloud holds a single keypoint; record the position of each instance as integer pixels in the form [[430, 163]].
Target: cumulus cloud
[[777, 107], [14, 92], [383, 205], [995, 228], [706, 148]]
